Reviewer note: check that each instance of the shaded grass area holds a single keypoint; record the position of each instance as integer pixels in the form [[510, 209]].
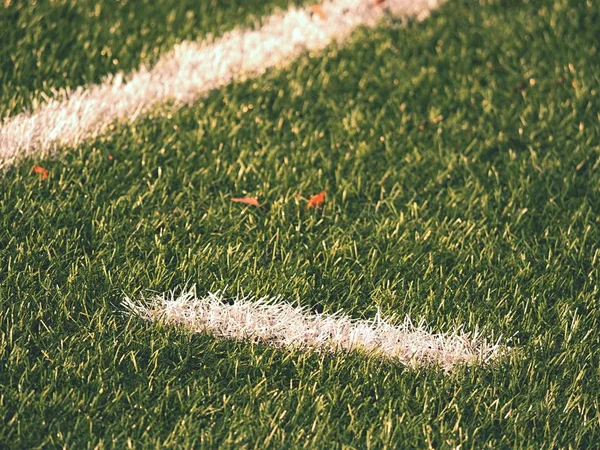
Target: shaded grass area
[[50, 45], [461, 161]]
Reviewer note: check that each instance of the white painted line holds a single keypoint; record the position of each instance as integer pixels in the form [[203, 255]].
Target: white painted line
[[282, 325], [190, 71]]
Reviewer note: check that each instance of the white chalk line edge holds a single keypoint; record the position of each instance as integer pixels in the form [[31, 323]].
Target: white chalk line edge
[[190, 71], [269, 321]]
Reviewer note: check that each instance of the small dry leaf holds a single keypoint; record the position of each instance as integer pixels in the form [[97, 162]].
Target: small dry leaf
[[316, 200], [316, 9], [41, 171], [378, 2], [110, 157], [246, 200]]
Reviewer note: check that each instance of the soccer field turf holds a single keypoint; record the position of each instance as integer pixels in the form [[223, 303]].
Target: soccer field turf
[[460, 157]]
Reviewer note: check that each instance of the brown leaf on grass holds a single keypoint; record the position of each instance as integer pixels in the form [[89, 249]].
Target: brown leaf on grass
[[316, 200], [316, 9], [44, 174], [246, 200]]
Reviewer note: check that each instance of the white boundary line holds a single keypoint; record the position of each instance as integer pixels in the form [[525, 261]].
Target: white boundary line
[[279, 324], [190, 71]]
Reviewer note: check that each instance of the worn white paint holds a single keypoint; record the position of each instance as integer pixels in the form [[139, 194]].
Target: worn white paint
[[190, 71], [280, 324]]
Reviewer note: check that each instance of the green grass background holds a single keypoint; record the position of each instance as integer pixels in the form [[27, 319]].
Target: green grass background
[[54, 44], [487, 215]]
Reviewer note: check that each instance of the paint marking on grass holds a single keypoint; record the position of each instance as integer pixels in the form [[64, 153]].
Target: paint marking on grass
[[190, 71], [268, 321]]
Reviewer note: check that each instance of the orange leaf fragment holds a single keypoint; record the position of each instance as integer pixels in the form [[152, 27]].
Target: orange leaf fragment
[[41, 171], [316, 9], [316, 200], [246, 200]]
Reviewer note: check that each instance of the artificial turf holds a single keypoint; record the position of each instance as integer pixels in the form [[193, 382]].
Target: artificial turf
[[55, 44], [460, 157]]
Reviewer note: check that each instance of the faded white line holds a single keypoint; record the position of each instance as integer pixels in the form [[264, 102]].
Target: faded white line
[[190, 71], [278, 324]]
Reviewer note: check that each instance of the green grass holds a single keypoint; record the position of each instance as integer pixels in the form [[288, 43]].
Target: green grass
[[486, 216], [54, 44]]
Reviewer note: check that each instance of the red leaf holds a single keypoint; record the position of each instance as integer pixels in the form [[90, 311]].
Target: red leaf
[[41, 171], [316, 200], [316, 9], [246, 200]]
